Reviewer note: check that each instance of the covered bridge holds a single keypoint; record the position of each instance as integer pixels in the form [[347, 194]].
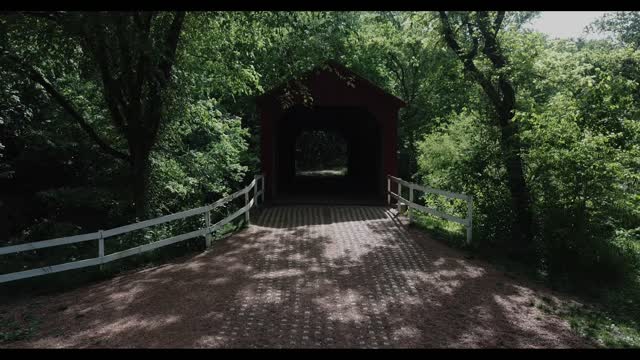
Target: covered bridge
[[329, 98]]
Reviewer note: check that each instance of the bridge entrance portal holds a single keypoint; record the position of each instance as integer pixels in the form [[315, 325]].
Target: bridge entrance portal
[[353, 120], [328, 155]]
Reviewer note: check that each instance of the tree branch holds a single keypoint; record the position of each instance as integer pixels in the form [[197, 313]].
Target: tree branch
[[123, 32], [143, 22], [167, 57], [474, 41], [399, 72], [35, 76], [96, 43], [469, 66], [497, 23], [490, 48]]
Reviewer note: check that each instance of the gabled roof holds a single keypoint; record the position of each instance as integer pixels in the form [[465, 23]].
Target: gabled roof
[[343, 70]]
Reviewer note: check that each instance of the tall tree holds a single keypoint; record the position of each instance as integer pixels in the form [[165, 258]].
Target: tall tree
[[481, 34], [132, 55], [625, 26]]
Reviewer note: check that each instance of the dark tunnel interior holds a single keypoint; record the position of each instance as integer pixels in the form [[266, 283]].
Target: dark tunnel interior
[[360, 131]]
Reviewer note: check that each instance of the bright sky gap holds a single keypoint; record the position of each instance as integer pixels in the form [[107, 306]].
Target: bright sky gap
[[567, 24]]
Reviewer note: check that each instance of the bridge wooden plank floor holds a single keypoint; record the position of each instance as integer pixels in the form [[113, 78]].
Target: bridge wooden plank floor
[[307, 276]]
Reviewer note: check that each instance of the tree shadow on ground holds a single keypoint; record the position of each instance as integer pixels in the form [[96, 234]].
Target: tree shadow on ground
[[306, 277]]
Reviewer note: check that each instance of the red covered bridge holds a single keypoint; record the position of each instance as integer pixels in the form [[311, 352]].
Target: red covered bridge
[[343, 102]]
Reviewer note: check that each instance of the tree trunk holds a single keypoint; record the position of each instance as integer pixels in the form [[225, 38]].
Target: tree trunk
[[503, 99], [520, 196], [140, 171]]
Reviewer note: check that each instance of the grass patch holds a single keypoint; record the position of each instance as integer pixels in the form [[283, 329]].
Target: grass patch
[[12, 330], [612, 321], [448, 231]]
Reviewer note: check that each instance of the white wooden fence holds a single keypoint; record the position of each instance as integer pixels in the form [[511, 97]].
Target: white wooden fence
[[101, 235], [467, 222]]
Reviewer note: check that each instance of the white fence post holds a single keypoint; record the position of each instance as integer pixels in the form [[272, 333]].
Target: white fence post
[[388, 190], [246, 212], [399, 196], [255, 191], [469, 219], [410, 202], [264, 189], [207, 235], [101, 248]]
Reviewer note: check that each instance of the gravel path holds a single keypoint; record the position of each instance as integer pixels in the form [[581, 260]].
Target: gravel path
[[307, 277]]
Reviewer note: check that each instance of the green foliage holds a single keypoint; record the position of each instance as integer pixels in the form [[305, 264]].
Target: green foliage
[[401, 52], [446, 231], [12, 330], [613, 321], [464, 157], [583, 146], [625, 25], [319, 150], [578, 110], [200, 158], [581, 141]]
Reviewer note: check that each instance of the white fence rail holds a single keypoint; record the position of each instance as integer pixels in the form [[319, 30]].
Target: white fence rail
[[101, 235], [467, 222]]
